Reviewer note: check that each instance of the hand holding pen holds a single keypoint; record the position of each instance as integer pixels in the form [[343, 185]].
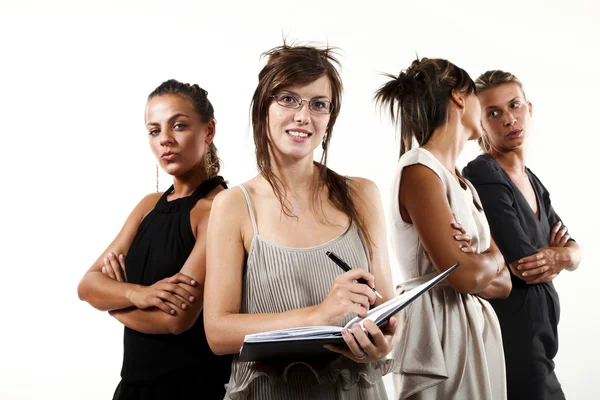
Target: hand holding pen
[[342, 264]]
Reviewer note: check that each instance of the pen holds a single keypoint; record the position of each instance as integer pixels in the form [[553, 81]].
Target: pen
[[340, 263]]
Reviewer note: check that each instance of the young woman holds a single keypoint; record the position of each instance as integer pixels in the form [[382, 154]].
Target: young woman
[[450, 344], [267, 267], [531, 236], [151, 277]]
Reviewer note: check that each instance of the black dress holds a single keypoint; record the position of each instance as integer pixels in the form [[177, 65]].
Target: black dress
[[529, 316], [167, 366]]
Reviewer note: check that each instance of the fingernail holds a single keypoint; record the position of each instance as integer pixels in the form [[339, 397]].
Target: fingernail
[[456, 236], [344, 332], [519, 267], [172, 311], [463, 248], [191, 298], [193, 282], [524, 273], [110, 254], [184, 306], [105, 259]]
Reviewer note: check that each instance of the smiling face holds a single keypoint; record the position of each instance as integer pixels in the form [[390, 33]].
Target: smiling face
[[505, 116], [177, 135], [296, 133]]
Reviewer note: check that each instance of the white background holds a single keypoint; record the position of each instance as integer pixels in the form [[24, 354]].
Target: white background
[[73, 82]]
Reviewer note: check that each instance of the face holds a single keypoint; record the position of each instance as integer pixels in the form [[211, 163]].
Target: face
[[296, 133], [178, 137], [506, 116], [472, 116]]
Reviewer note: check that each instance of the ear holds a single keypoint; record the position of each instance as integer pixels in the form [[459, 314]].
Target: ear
[[458, 98], [211, 129], [530, 106]]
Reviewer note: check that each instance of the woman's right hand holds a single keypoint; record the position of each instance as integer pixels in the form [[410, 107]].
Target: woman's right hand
[[558, 236], [166, 294], [347, 296]]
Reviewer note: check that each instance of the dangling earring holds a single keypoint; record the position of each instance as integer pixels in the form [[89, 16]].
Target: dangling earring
[[208, 162], [324, 143], [156, 178]]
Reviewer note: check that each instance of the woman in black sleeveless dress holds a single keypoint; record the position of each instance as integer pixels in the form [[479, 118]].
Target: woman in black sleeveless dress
[[156, 290], [531, 236]]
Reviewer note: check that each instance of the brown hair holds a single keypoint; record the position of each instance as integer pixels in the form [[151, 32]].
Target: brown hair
[[203, 107], [488, 80], [418, 97], [290, 65]]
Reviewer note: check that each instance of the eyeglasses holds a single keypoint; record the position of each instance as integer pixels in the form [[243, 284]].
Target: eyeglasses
[[317, 106]]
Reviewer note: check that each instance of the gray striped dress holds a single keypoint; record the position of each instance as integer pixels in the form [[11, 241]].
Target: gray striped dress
[[278, 279]]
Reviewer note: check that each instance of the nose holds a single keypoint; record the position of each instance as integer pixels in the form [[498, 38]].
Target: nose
[[303, 114], [165, 137], [509, 119]]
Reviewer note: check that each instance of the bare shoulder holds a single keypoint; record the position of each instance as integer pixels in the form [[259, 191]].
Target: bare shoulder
[[147, 203], [230, 203], [366, 189], [420, 176]]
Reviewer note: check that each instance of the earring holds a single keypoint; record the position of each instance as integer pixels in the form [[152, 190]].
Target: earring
[[324, 143], [208, 162], [156, 178]]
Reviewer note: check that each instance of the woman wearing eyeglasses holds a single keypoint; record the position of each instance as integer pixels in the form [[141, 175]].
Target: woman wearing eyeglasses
[[267, 267]]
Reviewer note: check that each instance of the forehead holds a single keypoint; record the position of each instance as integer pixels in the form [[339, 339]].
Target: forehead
[[166, 105], [500, 95], [317, 88]]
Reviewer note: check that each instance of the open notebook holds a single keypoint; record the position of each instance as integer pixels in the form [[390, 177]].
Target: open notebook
[[308, 341]]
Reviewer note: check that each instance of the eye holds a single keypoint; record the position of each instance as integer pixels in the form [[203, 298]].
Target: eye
[[179, 126], [493, 113], [516, 104], [153, 132], [319, 104], [288, 98]]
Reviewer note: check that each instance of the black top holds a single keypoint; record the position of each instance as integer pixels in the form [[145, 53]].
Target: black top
[[161, 246], [529, 316]]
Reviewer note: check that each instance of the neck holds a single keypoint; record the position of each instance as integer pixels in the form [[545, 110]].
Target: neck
[[447, 142], [511, 161], [184, 185], [295, 175]]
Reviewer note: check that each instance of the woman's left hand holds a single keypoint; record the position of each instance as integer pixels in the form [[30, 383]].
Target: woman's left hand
[[361, 348], [114, 267], [543, 266]]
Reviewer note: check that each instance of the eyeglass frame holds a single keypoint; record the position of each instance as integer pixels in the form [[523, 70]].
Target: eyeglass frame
[[302, 101]]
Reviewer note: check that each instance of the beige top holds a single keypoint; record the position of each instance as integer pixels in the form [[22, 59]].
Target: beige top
[[278, 279], [449, 345]]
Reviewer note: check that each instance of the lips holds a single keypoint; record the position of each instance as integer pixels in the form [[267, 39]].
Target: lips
[[298, 135], [514, 133], [168, 155]]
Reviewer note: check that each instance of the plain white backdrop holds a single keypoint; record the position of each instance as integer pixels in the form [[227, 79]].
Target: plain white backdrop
[[74, 77]]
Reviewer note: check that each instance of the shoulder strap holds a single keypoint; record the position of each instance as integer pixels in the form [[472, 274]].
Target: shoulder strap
[[206, 187], [250, 209]]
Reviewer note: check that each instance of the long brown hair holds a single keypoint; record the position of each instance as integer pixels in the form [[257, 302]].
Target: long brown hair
[[290, 65], [488, 80], [418, 97]]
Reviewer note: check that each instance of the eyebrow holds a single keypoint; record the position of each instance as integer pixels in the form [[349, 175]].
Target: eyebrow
[[296, 94], [510, 101], [170, 119]]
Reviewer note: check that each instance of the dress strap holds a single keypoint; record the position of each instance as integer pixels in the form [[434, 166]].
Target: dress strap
[[250, 209], [206, 187]]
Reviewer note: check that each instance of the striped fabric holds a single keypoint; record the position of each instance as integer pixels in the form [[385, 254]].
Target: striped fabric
[[279, 279]]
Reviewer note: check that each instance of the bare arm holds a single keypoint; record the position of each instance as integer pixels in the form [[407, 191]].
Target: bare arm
[[368, 202], [99, 290], [501, 286], [225, 326], [423, 203]]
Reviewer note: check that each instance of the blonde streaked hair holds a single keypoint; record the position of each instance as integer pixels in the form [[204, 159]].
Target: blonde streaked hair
[[489, 80]]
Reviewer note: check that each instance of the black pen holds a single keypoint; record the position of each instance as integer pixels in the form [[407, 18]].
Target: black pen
[[340, 263]]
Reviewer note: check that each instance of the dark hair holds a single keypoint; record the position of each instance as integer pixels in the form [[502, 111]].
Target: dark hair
[[291, 65], [418, 98], [488, 80], [203, 107]]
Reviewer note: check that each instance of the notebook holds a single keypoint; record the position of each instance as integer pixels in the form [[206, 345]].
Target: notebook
[[307, 342]]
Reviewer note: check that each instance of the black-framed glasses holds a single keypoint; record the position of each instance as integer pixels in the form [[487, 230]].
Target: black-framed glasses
[[317, 106]]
